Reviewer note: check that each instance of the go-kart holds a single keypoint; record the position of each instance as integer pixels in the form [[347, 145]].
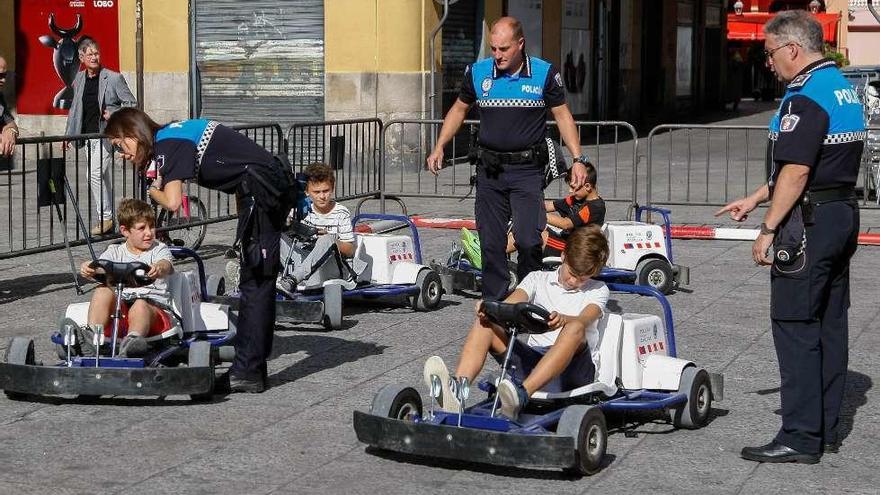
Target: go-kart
[[393, 270], [192, 336], [639, 253], [637, 369]]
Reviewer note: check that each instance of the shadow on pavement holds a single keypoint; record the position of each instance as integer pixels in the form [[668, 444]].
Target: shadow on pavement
[[505, 471], [323, 353], [23, 287]]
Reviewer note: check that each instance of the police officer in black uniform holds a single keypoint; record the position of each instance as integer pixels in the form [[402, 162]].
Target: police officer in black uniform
[[222, 159], [512, 91], [810, 230]]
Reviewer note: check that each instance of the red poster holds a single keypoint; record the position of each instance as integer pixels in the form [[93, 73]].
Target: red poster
[[46, 49]]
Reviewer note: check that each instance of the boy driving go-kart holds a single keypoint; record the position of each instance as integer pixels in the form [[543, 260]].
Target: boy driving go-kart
[[331, 222], [137, 223], [559, 359]]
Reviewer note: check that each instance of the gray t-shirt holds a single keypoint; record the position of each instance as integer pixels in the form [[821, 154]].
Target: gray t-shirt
[[157, 290]]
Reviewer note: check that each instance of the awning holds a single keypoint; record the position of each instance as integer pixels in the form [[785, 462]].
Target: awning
[[749, 26]]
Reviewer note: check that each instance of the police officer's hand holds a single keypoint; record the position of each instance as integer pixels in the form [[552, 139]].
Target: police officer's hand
[[7, 142], [739, 209], [760, 249], [578, 174], [435, 160]]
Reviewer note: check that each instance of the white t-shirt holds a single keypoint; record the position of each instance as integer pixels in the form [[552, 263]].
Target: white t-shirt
[[544, 289], [157, 290], [336, 221]]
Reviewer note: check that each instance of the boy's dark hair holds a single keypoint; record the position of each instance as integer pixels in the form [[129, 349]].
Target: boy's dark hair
[[320, 172], [592, 176], [132, 211], [586, 250]]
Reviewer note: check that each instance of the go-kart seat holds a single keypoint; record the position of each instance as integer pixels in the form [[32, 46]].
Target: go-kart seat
[[186, 300], [605, 355]]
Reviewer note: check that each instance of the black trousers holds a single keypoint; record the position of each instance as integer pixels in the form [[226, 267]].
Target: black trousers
[[516, 192], [260, 237], [810, 329]]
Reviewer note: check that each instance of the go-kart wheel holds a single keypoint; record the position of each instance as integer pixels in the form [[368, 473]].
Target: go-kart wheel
[[215, 285], [397, 401], [333, 306], [656, 273], [20, 351], [430, 291], [200, 356], [226, 354], [586, 425], [694, 413]]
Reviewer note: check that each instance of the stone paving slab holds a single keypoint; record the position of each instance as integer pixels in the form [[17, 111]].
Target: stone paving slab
[[297, 437]]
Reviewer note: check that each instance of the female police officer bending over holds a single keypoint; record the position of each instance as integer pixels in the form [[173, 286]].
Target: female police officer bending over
[[222, 159]]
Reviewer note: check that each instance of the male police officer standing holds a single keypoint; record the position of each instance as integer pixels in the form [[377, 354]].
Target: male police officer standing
[[512, 91], [816, 140]]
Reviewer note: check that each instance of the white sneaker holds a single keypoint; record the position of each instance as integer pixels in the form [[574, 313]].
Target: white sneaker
[[511, 398], [435, 366]]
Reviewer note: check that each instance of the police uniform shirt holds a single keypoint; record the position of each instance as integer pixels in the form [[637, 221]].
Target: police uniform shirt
[[214, 155], [512, 107], [819, 124]]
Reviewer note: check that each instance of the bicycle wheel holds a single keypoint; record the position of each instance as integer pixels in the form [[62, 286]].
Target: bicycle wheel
[[180, 232]]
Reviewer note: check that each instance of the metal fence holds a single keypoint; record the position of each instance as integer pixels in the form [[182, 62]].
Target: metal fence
[[710, 165], [612, 146], [29, 228], [351, 147]]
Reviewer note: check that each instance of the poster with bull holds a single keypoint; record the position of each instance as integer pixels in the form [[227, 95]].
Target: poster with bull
[[48, 33]]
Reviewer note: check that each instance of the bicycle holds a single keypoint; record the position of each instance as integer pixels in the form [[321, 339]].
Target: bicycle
[[174, 228]]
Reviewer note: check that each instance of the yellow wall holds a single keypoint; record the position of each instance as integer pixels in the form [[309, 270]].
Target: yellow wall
[[7, 32], [166, 35], [376, 35]]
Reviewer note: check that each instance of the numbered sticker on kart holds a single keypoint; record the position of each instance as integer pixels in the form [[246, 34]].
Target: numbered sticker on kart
[[400, 251]]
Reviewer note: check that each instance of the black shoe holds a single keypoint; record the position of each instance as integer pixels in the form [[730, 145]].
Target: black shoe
[[776, 452], [831, 448], [244, 385]]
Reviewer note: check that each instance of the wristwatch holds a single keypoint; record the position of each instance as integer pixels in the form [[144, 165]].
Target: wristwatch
[[581, 159], [765, 230]]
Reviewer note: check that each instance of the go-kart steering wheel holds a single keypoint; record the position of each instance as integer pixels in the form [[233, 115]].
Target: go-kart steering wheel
[[131, 274], [302, 232], [529, 318]]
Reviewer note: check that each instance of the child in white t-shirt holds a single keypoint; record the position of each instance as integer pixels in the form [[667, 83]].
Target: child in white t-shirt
[[137, 223], [559, 358]]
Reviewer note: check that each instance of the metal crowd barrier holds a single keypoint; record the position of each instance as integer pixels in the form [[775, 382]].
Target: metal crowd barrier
[[711, 165], [29, 228], [351, 147], [612, 146]]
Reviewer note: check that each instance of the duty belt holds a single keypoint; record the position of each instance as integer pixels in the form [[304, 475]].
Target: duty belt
[[510, 157], [840, 193]]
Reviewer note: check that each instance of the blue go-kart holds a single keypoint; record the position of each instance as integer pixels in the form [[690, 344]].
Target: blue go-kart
[[183, 347], [560, 429], [389, 267]]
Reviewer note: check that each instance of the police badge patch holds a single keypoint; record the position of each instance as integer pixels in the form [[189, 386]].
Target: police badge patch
[[788, 123], [558, 79], [486, 85]]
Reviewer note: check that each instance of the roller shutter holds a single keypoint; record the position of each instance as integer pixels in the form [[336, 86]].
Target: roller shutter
[[260, 60]]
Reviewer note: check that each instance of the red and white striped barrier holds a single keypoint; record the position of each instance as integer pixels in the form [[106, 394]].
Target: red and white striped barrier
[[677, 231]]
